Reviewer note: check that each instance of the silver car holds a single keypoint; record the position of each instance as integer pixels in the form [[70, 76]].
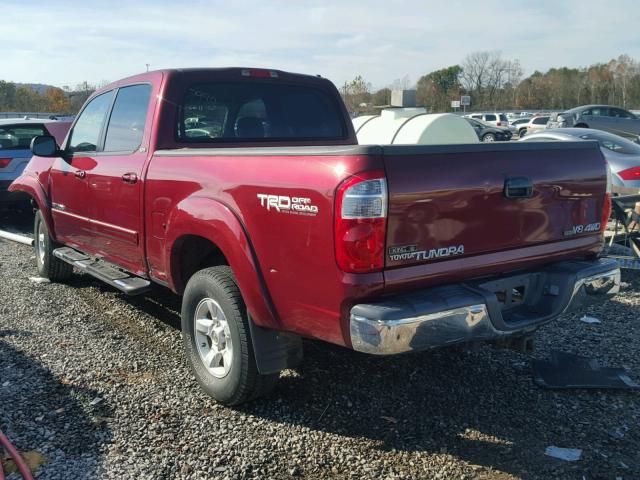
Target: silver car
[[602, 117], [622, 155]]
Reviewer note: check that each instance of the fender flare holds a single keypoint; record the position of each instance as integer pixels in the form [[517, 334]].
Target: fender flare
[[215, 221], [32, 187]]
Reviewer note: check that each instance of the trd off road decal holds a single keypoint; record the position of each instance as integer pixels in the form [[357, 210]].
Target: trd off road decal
[[289, 205], [411, 252]]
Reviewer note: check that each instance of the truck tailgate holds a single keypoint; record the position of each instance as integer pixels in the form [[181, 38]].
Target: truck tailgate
[[454, 202]]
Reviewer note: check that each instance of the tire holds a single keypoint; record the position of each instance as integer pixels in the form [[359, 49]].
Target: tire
[[489, 137], [48, 266], [522, 132], [214, 323], [581, 125]]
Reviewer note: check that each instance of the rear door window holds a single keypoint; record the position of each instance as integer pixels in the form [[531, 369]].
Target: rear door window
[[490, 118], [256, 111], [86, 132], [18, 137], [126, 125]]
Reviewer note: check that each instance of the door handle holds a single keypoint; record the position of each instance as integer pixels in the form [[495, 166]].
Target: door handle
[[80, 173], [518, 187], [130, 177]]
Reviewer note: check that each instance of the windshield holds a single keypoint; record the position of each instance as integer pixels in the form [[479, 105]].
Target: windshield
[[262, 112], [613, 142]]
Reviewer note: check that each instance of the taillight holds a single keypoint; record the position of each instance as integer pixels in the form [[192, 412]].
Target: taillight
[[361, 222], [606, 204], [498, 124], [632, 173], [4, 162]]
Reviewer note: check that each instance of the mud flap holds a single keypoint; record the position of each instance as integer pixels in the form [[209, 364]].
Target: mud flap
[[274, 351]]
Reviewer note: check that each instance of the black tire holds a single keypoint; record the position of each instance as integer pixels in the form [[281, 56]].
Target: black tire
[[243, 382], [488, 137], [522, 132], [582, 125], [48, 266]]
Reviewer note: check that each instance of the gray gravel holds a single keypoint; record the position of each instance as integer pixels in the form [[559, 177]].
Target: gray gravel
[[452, 413]]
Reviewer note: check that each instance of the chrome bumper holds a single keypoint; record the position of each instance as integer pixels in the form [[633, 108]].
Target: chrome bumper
[[471, 312]]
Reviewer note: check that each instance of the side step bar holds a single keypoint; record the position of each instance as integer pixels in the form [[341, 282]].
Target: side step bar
[[105, 271]]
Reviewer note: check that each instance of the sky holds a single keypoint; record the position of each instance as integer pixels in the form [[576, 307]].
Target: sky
[[65, 43]]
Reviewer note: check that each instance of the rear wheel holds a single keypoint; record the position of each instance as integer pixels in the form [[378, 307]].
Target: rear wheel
[[489, 137], [48, 265], [522, 132], [217, 340]]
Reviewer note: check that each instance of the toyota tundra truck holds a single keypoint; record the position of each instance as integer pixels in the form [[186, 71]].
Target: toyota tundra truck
[[245, 191]]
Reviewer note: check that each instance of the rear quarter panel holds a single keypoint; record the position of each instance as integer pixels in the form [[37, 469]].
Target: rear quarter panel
[[294, 250]]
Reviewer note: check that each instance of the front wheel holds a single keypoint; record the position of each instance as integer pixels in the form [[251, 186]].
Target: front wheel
[[217, 340], [489, 137], [48, 265]]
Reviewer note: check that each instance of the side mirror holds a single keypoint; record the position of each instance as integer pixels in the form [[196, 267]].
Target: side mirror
[[44, 146]]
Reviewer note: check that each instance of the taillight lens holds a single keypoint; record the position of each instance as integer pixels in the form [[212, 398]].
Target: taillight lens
[[632, 173], [4, 162], [606, 205], [361, 222]]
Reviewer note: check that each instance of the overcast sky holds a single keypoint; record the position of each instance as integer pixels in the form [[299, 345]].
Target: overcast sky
[[60, 44]]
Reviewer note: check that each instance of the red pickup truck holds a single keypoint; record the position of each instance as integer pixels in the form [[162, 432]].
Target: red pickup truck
[[245, 191]]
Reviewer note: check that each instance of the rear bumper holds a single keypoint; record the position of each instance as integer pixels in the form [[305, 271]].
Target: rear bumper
[[484, 310]]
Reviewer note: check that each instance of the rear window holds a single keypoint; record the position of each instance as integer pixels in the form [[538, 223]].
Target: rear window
[[613, 143], [18, 137], [259, 112], [540, 120], [503, 118], [490, 118]]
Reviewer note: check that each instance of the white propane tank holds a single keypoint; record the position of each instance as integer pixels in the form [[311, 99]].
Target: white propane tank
[[413, 126]]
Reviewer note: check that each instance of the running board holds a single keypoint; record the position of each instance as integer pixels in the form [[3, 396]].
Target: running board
[[102, 270]]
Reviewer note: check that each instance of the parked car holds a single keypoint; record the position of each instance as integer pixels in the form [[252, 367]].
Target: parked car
[[494, 118], [488, 133], [622, 155], [15, 139], [534, 124], [518, 125], [274, 234], [601, 117]]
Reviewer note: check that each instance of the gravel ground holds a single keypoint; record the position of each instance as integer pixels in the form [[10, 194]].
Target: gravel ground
[[96, 382]]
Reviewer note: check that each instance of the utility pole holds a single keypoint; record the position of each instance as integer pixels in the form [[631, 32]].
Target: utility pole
[[147, 64]]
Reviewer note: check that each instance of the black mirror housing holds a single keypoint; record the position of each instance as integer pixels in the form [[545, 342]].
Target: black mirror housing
[[44, 146]]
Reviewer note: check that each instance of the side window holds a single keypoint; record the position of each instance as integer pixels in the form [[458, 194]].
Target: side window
[[600, 112], [490, 118], [126, 125], [86, 132], [619, 113]]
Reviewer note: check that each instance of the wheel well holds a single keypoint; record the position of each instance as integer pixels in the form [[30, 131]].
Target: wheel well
[[191, 253], [582, 125]]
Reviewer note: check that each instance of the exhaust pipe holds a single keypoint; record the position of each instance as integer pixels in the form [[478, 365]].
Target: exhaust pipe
[[16, 238]]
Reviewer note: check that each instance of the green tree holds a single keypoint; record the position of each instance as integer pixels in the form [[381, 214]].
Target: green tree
[[436, 89]]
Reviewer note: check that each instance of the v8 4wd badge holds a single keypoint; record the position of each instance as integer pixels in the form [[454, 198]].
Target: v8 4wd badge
[[578, 229]]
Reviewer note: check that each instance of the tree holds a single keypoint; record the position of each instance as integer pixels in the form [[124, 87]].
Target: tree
[[56, 100], [436, 89], [381, 97], [357, 95]]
